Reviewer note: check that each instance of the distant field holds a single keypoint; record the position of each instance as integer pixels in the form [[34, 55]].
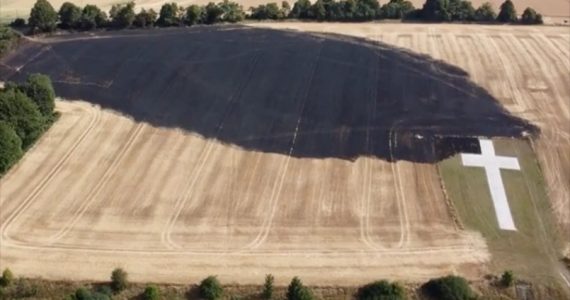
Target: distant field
[[556, 10]]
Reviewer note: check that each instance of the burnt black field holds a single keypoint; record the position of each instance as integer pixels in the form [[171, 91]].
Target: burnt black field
[[299, 94]]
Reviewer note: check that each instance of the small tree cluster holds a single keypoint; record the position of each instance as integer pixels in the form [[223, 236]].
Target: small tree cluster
[[382, 290], [7, 276], [270, 11], [449, 288], [396, 9], [151, 292], [531, 17], [267, 292], [211, 289], [297, 291], [86, 294], [25, 112], [119, 280], [507, 278]]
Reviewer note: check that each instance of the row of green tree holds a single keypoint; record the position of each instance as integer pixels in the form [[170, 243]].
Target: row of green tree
[[26, 111], [365, 10], [44, 18], [443, 288]]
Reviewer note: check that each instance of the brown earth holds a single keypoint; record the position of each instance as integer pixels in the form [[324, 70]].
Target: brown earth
[[100, 190]]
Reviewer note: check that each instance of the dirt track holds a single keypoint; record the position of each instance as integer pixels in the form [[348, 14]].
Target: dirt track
[[173, 206]]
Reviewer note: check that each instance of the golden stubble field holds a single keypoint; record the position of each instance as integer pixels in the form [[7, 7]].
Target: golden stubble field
[[556, 11], [100, 190]]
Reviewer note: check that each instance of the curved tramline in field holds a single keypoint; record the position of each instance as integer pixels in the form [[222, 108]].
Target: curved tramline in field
[[241, 151]]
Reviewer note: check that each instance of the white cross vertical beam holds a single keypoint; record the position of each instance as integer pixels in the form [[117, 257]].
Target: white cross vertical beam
[[493, 165]]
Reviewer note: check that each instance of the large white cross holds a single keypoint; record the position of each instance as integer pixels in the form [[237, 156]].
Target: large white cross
[[493, 165]]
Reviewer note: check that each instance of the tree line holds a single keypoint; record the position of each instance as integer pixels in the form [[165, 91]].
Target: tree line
[[443, 288], [44, 18], [26, 111]]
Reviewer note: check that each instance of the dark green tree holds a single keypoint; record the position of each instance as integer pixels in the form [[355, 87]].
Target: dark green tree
[[92, 17], [168, 15], [232, 12], [151, 292], [40, 89], [194, 15], [69, 16], [18, 23], [211, 289], [396, 9], [12, 141], [212, 13], [461, 10], [297, 291], [508, 13], [436, 10], [485, 13], [449, 288], [382, 290], [10, 152], [366, 10], [530, 17], [267, 292], [318, 10], [145, 18], [122, 15], [43, 18], [507, 278], [285, 9], [119, 280], [22, 114], [301, 10]]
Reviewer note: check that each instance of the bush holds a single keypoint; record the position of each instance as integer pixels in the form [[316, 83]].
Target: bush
[[382, 290], [297, 291], [530, 17], [122, 15], [40, 89], [151, 292], [194, 15], [212, 13], [7, 276], [18, 23], [269, 11], [301, 10], [507, 278], [168, 15], [10, 152], [85, 294], [92, 17], [267, 292], [449, 288], [8, 39], [69, 15], [145, 18], [22, 115], [508, 14], [232, 12], [24, 289], [485, 13], [396, 9], [119, 280], [43, 17], [210, 288]]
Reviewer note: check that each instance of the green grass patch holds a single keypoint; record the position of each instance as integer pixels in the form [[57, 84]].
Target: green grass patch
[[531, 251]]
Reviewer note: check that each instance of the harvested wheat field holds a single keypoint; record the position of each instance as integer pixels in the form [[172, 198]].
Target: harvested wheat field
[[242, 151], [555, 11]]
